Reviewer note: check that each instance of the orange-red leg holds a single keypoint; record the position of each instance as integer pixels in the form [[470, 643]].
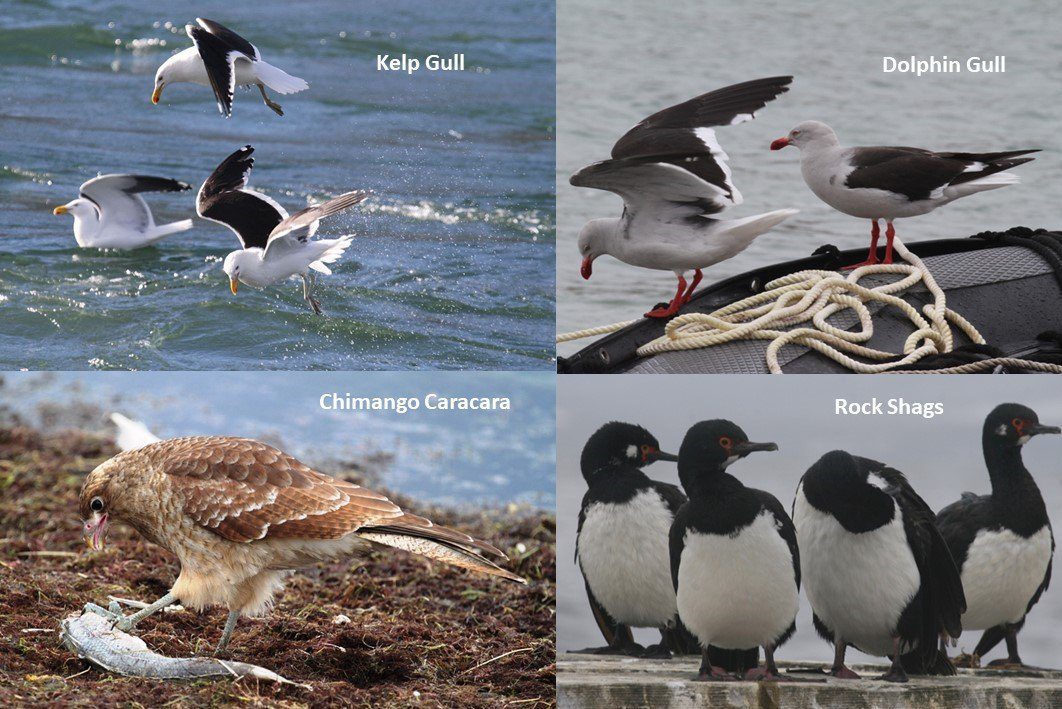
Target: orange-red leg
[[673, 306], [697, 276], [872, 256]]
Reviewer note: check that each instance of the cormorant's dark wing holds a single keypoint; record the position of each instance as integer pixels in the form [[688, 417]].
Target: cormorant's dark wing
[[943, 601], [614, 632]]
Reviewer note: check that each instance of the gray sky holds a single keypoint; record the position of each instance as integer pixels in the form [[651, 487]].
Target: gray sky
[[941, 457]]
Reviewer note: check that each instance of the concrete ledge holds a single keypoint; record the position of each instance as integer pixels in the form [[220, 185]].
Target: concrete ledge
[[595, 681]]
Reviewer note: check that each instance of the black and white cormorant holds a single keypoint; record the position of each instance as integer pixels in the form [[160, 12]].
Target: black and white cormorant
[[1002, 542], [734, 559], [621, 547], [877, 572]]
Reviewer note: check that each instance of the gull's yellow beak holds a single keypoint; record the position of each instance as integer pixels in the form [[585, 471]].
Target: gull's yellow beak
[[156, 94], [234, 285], [60, 210]]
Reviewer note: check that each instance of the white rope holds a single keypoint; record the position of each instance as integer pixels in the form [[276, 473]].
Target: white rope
[[812, 297]]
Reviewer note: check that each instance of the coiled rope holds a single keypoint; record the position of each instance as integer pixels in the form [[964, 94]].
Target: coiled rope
[[811, 297]]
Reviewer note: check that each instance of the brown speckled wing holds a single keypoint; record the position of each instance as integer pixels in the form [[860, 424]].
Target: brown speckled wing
[[246, 490]]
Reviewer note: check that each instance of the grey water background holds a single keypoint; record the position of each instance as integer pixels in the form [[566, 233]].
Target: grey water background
[[452, 265], [940, 456], [457, 458], [620, 61]]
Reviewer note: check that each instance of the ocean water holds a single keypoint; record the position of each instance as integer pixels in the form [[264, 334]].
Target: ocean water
[[621, 61], [452, 263], [941, 458], [451, 457]]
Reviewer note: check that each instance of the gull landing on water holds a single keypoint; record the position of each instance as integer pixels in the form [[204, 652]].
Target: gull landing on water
[[111, 214], [892, 183], [275, 246], [673, 177], [221, 59]]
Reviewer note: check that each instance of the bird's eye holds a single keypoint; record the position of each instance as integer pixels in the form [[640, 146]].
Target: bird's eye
[[725, 442], [796, 133], [96, 504], [1018, 424]]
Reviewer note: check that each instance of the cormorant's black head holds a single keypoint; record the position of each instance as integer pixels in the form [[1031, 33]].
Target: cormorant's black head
[[1013, 425], [717, 444], [618, 443]]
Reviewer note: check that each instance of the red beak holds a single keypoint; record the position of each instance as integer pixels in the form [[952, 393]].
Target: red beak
[[587, 268], [779, 144]]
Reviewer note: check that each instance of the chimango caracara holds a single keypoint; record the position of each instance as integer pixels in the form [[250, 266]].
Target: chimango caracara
[[240, 515]]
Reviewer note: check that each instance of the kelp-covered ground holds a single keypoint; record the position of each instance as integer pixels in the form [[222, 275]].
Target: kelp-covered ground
[[420, 633]]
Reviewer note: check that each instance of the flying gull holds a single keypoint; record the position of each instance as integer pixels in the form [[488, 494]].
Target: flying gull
[[892, 183], [673, 177], [222, 59], [275, 246], [111, 214]]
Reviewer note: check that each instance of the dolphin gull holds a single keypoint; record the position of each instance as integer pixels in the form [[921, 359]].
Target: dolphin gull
[[673, 177], [275, 246], [892, 183], [222, 59], [111, 214]]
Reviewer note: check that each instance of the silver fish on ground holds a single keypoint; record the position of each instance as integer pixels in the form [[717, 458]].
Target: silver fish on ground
[[91, 636]]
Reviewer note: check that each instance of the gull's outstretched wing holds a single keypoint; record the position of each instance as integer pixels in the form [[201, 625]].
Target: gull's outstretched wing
[[119, 201], [224, 198]]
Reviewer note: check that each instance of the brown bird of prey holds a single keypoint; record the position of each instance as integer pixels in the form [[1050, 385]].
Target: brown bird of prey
[[240, 515]]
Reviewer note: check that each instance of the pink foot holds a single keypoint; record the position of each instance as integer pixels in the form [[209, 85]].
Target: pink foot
[[761, 674], [843, 672], [717, 674]]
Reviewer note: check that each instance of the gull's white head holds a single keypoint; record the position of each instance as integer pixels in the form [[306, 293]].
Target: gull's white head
[[79, 208], [809, 133], [234, 264], [593, 242], [166, 74]]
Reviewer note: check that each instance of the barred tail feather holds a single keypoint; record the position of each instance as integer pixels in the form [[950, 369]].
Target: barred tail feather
[[440, 550]]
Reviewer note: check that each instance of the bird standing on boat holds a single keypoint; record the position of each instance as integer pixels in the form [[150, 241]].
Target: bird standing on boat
[[241, 515], [275, 246], [877, 572], [221, 59], [673, 177], [734, 558], [111, 214], [1002, 542], [892, 182]]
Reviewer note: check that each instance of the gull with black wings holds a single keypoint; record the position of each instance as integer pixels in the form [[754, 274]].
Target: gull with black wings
[[221, 59], [111, 214], [276, 246], [674, 179]]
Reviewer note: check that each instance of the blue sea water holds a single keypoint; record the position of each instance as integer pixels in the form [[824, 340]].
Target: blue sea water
[[451, 457], [452, 263]]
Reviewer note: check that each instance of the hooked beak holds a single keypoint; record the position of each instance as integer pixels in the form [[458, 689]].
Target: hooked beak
[[95, 529], [779, 144], [655, 455], [587, 268], [156, 94], [60, 210], [750, 447], [234, 285], [1040, 428]]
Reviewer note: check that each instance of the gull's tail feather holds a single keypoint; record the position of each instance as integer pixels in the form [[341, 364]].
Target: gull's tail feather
[[278, 79], [422, 536], [172, 228], [332, 251]]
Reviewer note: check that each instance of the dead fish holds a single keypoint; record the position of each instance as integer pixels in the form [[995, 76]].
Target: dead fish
[[91, 636]]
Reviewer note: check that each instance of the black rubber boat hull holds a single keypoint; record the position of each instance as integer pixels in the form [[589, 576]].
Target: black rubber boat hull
[[1009, 285]]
